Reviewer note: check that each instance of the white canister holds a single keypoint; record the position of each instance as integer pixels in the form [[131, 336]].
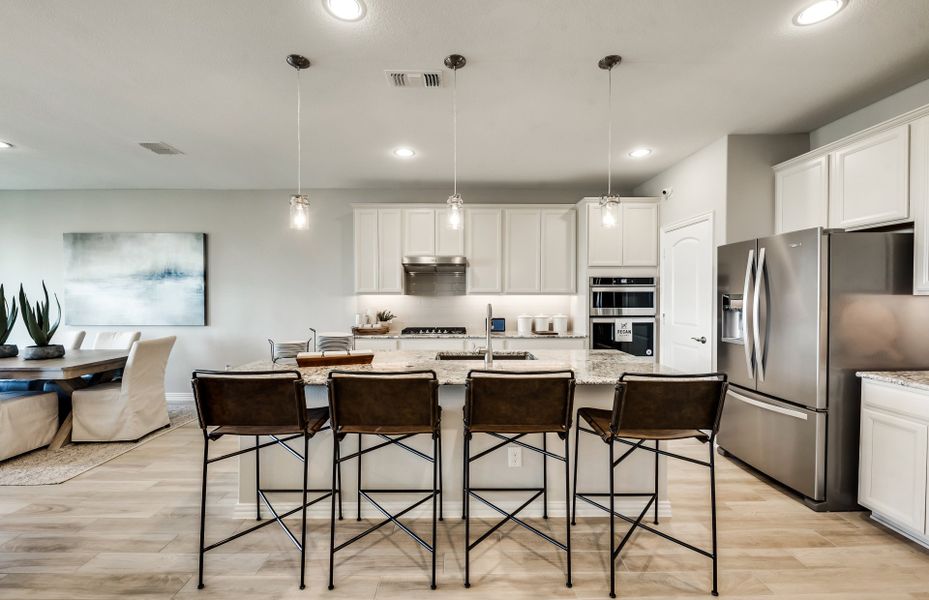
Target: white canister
[[560, 324], [542, 322], [524, 324]]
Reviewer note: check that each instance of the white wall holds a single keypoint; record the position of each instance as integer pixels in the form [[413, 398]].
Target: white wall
[[263, 280], [896, 104]]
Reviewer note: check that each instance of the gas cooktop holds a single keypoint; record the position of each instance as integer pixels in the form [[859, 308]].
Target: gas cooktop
[[434, 331]]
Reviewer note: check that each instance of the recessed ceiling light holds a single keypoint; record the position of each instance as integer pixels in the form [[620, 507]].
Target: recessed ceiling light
[[345, 10], [5, 145], [640, 152], [403, 152], [819, 11]]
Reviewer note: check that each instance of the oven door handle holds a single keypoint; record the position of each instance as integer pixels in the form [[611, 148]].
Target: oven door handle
[[620, 289]]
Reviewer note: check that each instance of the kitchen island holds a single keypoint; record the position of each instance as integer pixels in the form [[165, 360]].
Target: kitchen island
[[596, 372]]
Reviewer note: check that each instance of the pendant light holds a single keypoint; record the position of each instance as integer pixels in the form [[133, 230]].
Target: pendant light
[[609, 203], [455, 203], [299, 202]]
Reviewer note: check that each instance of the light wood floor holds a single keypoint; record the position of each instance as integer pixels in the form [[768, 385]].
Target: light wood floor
[[128, 529]]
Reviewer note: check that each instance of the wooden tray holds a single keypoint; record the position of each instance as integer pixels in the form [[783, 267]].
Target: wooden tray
[[383, 329], [335, 360]]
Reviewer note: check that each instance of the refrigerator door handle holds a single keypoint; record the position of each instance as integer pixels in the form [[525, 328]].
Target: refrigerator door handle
[[796, 414], [756, 316], [749, 347]]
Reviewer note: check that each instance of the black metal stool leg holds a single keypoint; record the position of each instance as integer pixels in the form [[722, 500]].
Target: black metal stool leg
[[257, 479], [335, 463], [435, 494], [441, 495], [655, 520], [577, 439], [715, 591], [306, 470], [544, 476], [466, 505], [339, 488], [358, 491], [203, 509], [567, 492], [612, 528]]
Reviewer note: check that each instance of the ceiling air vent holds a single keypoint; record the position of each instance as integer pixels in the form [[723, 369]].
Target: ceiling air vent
[[414, 79], [160, 148]]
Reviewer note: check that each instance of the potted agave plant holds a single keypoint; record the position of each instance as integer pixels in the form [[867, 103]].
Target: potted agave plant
[[39, 325], [7, 320]]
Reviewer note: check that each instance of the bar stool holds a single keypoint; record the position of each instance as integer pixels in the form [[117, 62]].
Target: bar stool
[[651, 407], [392, 407], [258, 403], [508, 406]]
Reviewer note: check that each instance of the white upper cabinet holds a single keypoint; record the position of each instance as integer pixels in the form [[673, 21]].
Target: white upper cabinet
[[389, 251], [919, 198], [523, 250], [419, 231], [869, 180], [366, 250], [801, 195], [484, 249], [640, 234], [448, 241], [559, 250], [604, 244]]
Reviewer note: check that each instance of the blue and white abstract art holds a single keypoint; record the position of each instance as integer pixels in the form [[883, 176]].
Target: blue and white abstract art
[[135, 278]]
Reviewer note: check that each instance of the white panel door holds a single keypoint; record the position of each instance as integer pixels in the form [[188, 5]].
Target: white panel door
[[919, 198], [365, 226], [604, 245], [484, 249], [869, 180], [389, 251], [892, 467], [640, 234], [448, 241], [419, 232], [522, 242], [801, 195], [686, 296], [559, 251]]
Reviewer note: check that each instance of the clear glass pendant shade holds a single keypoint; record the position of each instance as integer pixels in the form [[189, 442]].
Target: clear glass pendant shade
[[300, 211], [455, 217], [609, 211]]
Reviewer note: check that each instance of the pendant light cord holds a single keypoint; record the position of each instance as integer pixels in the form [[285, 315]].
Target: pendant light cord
[[609, 135], [299, 146], [455, 129]]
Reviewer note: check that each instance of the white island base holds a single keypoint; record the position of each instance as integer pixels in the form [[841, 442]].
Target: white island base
[[393, 467]]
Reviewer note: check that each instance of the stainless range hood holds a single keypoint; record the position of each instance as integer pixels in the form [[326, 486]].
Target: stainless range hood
[[434, 275]]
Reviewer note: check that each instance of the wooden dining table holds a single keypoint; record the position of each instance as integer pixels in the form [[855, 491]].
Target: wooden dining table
[[67, 373]]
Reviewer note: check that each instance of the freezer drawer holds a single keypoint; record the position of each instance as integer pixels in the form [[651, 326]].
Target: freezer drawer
[[785, 442]]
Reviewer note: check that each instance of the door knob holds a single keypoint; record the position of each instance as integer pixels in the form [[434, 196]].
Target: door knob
[[701, 339]]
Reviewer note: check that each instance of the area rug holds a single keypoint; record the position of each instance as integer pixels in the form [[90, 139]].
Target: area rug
[[43, 467]]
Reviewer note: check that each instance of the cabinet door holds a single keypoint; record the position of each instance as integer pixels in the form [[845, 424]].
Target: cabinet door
[[892, 467], [542, 343], [522, 250], [448, 241], [919, 199], [604, 245], [433, 344], [363, 342], [559, 251], [366, 251], [869, 180], [801, 195], [640, 234], [389, 251], [484, 249], [419, 232]]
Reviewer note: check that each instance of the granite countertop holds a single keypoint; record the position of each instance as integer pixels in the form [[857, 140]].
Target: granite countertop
[[912, 379], [469, 336], [591, 367]]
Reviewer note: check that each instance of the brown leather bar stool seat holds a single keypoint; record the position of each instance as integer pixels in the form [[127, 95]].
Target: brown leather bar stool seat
[[392, 407], [654, 408], [509, 405], [258, 404]]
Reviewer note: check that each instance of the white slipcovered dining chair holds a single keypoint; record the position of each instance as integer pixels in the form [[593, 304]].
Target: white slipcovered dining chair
[[128, 409], [115, 340], [28, 420], [71, 340]]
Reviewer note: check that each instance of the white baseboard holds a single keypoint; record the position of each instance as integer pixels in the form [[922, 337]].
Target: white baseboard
[[627, 506], [179, 397]]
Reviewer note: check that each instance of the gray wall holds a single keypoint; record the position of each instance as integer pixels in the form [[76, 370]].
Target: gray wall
[[264, 280]]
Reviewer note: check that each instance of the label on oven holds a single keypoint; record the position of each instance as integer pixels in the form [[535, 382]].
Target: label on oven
[[623, 331]]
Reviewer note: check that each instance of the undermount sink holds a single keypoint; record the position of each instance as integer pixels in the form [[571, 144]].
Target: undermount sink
[[479, 355]]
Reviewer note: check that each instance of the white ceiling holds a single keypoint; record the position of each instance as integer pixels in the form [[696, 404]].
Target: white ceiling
[[83, 82]]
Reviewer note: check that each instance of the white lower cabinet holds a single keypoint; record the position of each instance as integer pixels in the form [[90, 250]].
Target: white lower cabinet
[[893, 456], [433, 343], [540, 343], [374, 343]]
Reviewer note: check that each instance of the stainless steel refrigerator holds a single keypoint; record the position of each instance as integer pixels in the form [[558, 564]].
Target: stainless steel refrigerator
[[799, 314]]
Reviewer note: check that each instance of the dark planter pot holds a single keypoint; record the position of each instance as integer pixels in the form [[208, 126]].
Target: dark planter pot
[[8, 350], [43, 352]]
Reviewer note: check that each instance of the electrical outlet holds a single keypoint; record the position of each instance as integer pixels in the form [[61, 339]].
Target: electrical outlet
[[514, 456]]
